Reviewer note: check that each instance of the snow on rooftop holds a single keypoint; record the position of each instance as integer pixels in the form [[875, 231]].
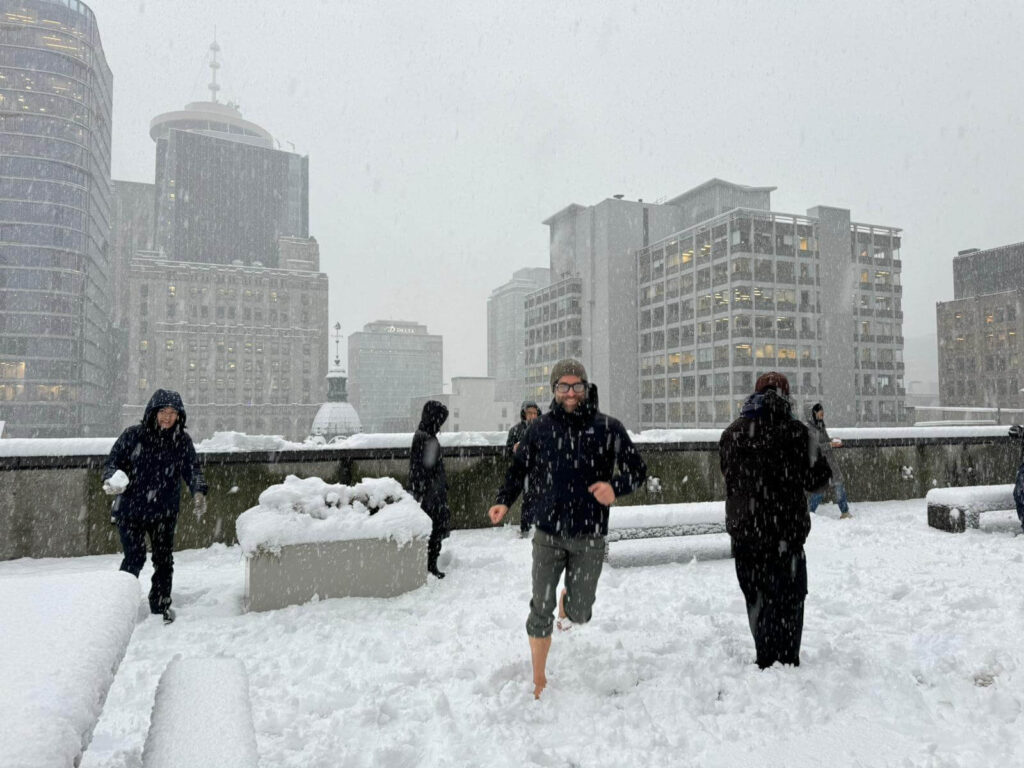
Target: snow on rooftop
[[911, 657]]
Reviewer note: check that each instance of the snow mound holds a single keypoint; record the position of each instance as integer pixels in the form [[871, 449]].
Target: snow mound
[[308, 510]]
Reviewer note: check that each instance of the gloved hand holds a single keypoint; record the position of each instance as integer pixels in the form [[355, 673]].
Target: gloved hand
[[199, 505], [1016, 431]]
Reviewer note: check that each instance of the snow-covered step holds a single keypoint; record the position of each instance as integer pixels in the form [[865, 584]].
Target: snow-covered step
[[201, 716], [660, 520], [956, 509]]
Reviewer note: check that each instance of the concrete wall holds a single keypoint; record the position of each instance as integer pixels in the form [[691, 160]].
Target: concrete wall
[[55, 507]]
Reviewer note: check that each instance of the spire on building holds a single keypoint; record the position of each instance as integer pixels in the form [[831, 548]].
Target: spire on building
[[214, 86]]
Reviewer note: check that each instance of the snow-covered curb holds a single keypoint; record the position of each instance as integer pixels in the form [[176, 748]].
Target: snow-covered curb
[[308, 510]]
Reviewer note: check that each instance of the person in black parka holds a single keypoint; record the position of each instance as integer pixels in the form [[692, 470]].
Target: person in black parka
[[428, 480], [769, 460], [528, 413], [574, 462], [156, 456]]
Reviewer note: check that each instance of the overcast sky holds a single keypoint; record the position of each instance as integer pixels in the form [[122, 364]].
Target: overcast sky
[[440, 135]]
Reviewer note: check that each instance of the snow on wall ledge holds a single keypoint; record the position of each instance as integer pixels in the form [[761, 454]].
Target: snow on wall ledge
[[237, 442], [63, 637], [308, 510]]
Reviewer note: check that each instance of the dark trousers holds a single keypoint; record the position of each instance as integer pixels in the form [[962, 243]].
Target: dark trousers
[[161, 538], [774, 586], [437, 535], [1018, 494]]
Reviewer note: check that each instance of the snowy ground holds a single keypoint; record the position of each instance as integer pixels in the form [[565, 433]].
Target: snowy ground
[[912, 656]]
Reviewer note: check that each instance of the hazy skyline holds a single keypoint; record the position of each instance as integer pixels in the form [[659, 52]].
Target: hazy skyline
[[440, 136]]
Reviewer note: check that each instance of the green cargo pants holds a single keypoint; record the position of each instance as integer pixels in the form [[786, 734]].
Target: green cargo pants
[[581, 558]]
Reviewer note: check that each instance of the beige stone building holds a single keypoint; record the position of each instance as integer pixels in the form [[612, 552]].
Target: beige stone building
[[245, 346]]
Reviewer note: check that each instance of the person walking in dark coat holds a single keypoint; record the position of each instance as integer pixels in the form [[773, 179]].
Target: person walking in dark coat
[[567, 458], [144, 470], [527, 413], [824, 445], [768, 460], [428, 480]]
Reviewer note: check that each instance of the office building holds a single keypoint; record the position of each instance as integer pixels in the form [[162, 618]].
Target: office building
[[55, 200], [506, 331], [473, 406], [245, 346], [389, 363], [749, 290], [979, 330]]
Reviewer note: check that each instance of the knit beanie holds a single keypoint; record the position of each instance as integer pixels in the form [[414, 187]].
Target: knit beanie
[[567, 367]]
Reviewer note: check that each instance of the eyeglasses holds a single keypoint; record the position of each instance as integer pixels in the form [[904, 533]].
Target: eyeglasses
[[579, 387]]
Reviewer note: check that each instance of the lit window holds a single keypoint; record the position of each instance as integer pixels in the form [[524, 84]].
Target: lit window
[[170, 343]]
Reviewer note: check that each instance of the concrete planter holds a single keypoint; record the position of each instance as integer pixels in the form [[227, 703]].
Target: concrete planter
[[350, 568]]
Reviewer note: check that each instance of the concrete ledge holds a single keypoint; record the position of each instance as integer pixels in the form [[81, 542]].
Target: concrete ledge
[[350, 568]]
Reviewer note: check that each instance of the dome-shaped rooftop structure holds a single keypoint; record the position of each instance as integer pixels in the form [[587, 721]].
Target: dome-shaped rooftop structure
[[337, 417], [336, 420]]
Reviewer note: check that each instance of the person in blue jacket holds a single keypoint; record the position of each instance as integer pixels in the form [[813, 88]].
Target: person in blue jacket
[[144, 470]]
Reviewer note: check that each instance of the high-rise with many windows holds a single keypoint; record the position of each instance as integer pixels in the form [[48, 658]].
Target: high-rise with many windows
[[979, 331], [506, 331], [749, 290], [55, 199]]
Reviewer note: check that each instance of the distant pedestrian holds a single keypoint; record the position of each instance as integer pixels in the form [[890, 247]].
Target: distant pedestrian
[[144, 470], [567, 459], [428, 480], [768, 462], [824, 445], [527, 413]]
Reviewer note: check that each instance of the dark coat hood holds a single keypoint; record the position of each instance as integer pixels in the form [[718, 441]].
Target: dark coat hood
[[434, 416], [163, 398]]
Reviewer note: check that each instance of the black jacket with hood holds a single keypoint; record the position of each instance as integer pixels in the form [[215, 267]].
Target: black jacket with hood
[[769, 460], [427, 479], [156, 461], [561, 455], [515, 434]]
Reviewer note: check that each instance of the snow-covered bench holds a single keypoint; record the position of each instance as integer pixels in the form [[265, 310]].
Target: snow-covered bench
[[201, 717], [62, 638], [956, 509], [705, 521], [309, 539]]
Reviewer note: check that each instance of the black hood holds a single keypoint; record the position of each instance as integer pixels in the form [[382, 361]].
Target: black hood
[[434, 415], [810, 415], [163, 398], [527, 404]]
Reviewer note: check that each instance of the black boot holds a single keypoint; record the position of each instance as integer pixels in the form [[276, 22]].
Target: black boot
[[433, 570]]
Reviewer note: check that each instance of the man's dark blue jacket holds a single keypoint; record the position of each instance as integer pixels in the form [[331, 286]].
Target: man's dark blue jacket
[[561, 455], [156, 461]]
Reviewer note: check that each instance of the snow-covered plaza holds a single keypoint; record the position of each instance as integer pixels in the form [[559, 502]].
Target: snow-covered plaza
[[912, 656]]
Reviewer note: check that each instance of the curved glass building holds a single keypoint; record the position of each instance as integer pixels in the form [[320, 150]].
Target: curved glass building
[[55, 197]]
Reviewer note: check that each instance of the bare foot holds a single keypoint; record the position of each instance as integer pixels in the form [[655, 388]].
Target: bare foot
[[539, 685], [539, 647]]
